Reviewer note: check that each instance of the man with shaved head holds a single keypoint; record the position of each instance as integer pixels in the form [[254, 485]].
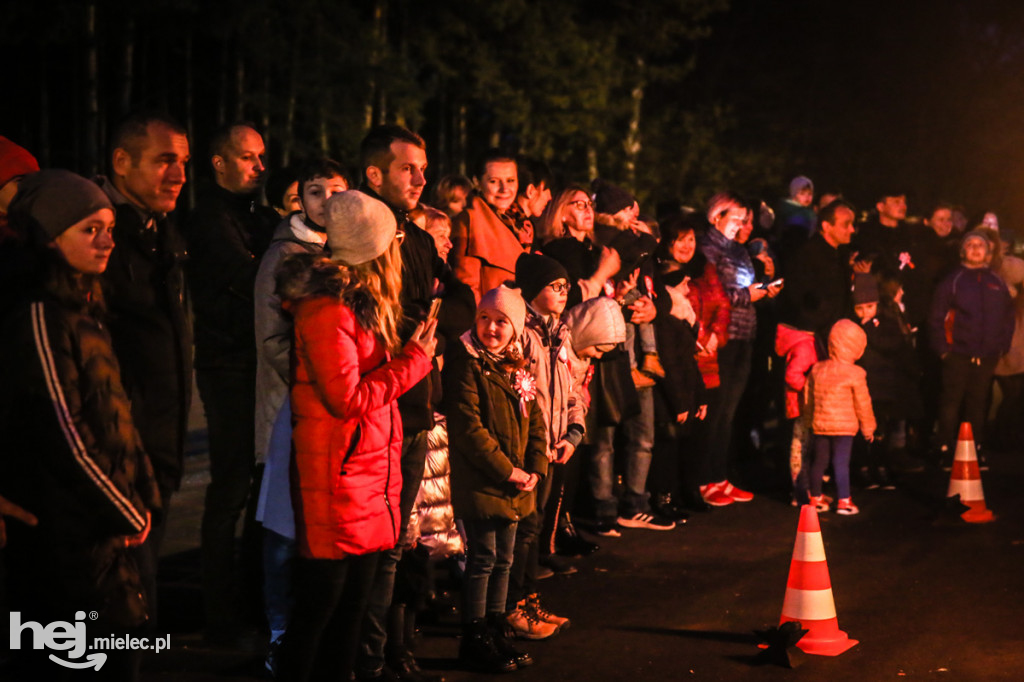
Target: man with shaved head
[[228, 233]]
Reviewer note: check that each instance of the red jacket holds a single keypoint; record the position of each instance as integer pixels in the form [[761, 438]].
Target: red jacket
[[797, 349], [709, 300], [347, 438]]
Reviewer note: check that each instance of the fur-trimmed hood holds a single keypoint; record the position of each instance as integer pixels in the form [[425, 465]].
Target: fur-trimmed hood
[[304, 275]]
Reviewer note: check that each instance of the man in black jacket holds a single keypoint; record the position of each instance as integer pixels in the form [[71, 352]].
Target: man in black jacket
[[147, 301], [227, 235], [818, 275], [394, 160]]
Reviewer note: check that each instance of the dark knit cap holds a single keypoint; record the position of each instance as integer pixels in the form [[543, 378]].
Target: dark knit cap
[[865, 288], [610, 199], [53, 200], [534, 272]]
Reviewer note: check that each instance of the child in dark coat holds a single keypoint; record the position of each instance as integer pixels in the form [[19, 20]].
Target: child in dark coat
[[498, 452], [891, 366]]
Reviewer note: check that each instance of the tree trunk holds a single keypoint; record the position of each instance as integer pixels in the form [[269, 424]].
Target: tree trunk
[[324, 140], [127, 68], [632, 142], [190, 170], [222, 102], [90, 165], [289, 115], [463, 137], [592, 171], [43, 143], [239, 83]]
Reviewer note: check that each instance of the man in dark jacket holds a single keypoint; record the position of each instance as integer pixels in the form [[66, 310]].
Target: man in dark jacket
[[394, 160], [147, 301], [227, 235], [818, 275]]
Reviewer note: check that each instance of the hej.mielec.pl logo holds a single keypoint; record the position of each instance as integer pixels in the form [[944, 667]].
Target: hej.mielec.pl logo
[[71, 638]]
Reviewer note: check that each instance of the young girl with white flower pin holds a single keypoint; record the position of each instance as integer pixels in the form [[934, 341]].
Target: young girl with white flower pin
[[498, 453]]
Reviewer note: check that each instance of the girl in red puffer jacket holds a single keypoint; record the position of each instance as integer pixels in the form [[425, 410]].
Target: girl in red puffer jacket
[[347, 434]]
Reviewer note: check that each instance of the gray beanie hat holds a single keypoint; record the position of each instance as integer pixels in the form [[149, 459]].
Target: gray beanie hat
[[54, 199], [508, 302], [595, 322], [359, 227], [798, 183]]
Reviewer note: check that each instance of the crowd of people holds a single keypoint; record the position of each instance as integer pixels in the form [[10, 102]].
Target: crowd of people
[[392, 378]]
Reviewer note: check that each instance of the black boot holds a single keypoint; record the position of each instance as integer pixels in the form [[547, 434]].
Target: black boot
[[503, 635], [568, 542], [478, 651], [400, 659], [664, 505]]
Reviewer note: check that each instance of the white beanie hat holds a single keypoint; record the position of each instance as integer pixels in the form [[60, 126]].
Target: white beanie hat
[[359, 227]]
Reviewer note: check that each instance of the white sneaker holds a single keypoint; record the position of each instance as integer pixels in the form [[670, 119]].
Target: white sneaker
[[648, 521]]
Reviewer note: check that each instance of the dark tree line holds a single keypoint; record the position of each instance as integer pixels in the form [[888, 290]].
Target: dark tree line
[[593, 88]]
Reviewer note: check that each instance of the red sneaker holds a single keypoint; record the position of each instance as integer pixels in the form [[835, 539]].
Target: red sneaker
[[735, 493], [715, 497]]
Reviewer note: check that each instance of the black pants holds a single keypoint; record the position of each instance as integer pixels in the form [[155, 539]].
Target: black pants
[[966, 383], [374, 636], [229, 400], [330, 603]]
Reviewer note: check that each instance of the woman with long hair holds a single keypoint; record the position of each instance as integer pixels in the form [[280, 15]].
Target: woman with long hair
[[71, 454], [348, 369]]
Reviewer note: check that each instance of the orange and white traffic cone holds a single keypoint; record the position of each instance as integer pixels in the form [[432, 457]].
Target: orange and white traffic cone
[[809, 592], [966, 478]]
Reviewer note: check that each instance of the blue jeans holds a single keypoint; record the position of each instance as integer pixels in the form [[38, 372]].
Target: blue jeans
[[278, 555], [490, 546], [840, 448], [640, 440]]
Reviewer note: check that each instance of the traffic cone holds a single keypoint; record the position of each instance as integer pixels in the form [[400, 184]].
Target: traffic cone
[[966, 478], [809, 592]]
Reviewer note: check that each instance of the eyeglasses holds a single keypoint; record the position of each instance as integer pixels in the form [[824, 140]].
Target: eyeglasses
[[581, 204], [559, 287]]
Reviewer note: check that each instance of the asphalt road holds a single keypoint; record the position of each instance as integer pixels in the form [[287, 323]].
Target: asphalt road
[[927, 595]]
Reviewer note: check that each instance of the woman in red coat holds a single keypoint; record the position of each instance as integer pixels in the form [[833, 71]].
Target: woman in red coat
[[347, 435]]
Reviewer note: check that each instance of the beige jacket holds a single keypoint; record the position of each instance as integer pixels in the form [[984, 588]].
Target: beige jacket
[[836, 396]]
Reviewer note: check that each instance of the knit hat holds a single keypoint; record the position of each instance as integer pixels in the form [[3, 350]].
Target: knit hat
[[534, 272], [595, 322], [508, 302], [983, 233], [359, 227], [53, 200], [798, 183], [610, 199], [865, 288], [15, 161]]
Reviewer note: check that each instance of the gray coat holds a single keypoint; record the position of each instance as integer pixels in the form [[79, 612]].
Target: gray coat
[[274, 327]]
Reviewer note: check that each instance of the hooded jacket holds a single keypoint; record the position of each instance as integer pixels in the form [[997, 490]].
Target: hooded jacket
[[490, 432], [347, 433], [836, 394], [796, 347], [547, 346]]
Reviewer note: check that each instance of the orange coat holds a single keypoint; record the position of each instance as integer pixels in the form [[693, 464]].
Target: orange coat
[[836, 394], [484, 249]]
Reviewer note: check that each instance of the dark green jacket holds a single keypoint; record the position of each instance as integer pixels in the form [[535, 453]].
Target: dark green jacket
[[488, 434]]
